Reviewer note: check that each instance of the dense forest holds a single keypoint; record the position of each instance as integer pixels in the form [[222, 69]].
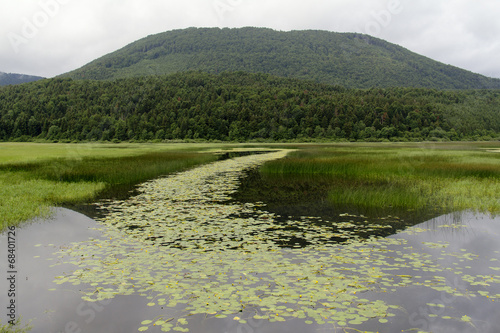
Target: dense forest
[[347, 59], [240, 107], [9, 78]]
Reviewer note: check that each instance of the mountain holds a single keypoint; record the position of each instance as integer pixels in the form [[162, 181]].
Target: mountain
[[348, 59], [9, 78]]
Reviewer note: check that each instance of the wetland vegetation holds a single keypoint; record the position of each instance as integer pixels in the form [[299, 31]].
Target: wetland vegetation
[[368, 178], [300, 238], [186, 245], [364, 178], [210, 243], [35, 177]]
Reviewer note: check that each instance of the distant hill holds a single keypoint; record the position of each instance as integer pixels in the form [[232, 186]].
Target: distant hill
[[9, 78], [347, 59]]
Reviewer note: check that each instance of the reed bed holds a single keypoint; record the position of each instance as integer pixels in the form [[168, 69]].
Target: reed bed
[[404, 178]]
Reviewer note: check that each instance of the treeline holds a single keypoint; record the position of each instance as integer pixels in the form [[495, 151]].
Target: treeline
[[240, 107]]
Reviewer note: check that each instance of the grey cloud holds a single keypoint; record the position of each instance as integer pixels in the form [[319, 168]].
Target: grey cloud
[[459, 32]]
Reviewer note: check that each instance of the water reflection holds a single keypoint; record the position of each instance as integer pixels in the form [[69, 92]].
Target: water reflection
[[439, 272], [302, 203], [64, 311], [465, 244]]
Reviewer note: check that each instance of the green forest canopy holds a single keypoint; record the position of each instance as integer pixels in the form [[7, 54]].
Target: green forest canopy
[[240, 107], [348, 59]]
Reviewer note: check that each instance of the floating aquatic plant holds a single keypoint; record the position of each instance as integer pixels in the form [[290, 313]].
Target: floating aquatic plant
[[184, 245]]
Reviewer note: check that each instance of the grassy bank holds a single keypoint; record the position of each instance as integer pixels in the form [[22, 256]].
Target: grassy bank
[[35, 177], [403, 177]]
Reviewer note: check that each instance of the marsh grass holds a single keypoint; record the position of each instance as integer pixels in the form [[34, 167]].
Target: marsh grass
[[112, 171], [24, 197], [401, 178], [16, 328], [38, 152], [29, 189]]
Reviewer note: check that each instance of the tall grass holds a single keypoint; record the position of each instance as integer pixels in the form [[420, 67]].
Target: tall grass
[[403, 178], [29, 189], [112, 171], [23, 198]]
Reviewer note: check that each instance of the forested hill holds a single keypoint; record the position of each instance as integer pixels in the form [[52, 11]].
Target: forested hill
[[240, 106], [346, 59], [8, 78]]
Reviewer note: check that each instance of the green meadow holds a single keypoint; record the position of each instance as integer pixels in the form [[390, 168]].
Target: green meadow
[[448, 177], [35, 177]]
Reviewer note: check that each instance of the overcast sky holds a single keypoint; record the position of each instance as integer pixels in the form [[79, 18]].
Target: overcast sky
[[51, 37]]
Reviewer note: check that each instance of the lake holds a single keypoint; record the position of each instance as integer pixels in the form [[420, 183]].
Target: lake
[[183, 255]]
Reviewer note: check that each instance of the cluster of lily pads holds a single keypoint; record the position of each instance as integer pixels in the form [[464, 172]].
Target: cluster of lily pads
[[184, 244]]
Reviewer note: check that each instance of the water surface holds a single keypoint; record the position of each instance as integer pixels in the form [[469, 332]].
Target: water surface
[[183, 252]]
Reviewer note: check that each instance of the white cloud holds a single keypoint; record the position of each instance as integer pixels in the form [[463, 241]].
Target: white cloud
[[458, 32], [461, 33]]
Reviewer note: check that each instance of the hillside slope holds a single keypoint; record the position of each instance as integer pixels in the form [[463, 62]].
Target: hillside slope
[[347, 59], [9, 78]]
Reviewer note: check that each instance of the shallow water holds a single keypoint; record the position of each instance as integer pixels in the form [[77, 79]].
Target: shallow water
[[463, 244], [299, 196], [64, 311], [445, 276]]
